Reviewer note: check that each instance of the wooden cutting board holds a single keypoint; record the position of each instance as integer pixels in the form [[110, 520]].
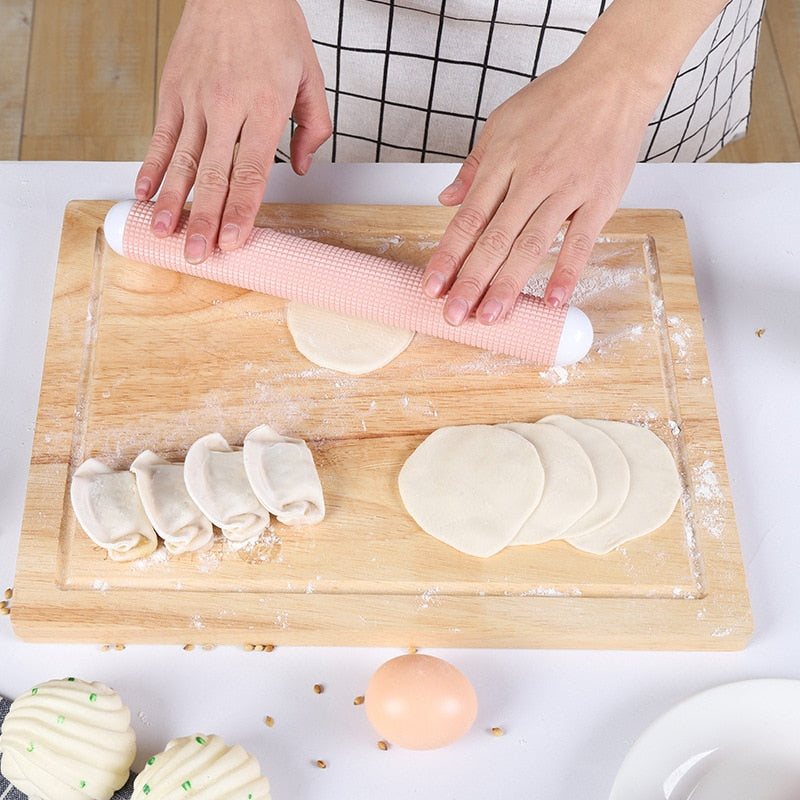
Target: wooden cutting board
[[139, 358]]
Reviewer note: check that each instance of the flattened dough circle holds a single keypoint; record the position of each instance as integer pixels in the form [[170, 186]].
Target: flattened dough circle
[[611, 471], [472, 486], [570, 488], [655, 488], [344, 343]]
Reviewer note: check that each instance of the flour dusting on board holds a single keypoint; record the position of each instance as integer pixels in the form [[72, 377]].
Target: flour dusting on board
[[710, 498], [422, 407], [596, 280], [681, 336], [611, 342]]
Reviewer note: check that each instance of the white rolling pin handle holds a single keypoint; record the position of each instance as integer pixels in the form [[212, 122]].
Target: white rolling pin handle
[[576, 339], [114, 225]]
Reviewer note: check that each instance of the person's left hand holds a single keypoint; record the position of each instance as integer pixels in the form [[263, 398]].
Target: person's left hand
[[561, 149]]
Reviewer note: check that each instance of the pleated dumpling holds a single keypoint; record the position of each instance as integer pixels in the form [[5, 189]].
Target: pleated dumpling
[[282, 473], [216, 480], [174, 515], [67, 740], [201, 765], [108, 508]]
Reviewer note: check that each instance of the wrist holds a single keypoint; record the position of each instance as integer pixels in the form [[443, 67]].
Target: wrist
[[641, 44]]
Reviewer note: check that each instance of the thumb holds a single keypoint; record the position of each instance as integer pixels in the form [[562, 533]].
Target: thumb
[[313, 121], [455, 193]]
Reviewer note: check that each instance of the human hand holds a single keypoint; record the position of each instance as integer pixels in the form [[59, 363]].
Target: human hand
[[561, 149], [234, 74]]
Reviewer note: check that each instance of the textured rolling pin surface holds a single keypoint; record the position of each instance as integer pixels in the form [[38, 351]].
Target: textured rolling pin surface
[[358, 284]]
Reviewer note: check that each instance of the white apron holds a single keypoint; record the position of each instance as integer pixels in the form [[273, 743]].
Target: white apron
[[414, 80]]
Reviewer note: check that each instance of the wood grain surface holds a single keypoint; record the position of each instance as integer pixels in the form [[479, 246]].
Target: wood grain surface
[[139, 357]]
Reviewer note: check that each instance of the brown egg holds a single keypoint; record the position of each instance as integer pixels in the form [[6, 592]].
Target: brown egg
[[420, 702]]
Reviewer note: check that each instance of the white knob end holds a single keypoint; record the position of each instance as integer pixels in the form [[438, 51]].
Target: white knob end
[[114, 225]]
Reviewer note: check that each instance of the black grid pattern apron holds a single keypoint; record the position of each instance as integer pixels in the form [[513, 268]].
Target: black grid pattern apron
[[414, 80]]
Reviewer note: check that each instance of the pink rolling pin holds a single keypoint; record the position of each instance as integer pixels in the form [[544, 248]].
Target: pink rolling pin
[[357, 284]]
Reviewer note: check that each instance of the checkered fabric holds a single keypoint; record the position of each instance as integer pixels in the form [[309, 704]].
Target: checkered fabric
[[414, 80]]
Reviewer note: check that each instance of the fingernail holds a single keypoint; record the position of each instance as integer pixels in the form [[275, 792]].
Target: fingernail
[[229, 235], [490, 311], [306, 165], [195, 248], [556, 297], [451, 189], [455, 312], [143, 187], [434, 284], [161, 223]]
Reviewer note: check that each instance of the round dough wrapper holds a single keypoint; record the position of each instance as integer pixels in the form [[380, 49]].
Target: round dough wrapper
[[344, 343], [655, 488], [611, 471], [570, 488], [472, 486]]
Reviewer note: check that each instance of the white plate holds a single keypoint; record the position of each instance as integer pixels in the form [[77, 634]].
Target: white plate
[[740, 741]]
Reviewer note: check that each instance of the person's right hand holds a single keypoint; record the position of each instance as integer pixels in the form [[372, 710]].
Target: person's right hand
[[234, 73]]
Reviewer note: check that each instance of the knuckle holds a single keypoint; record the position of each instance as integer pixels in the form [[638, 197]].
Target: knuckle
[[469, 221], [495, 241], [568, 272], [607, 193], [241, 210], [472, 161], [538, 173], [506, 285], [324, 126], [171, 197], [162, 143], [223, 95], [184, 162], [249, 173], [532, 245], [202, 222], [578, 246], [268, 104], [470, 287], [212, 177], [444, 261]]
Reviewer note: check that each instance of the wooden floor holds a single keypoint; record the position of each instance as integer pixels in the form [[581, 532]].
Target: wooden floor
[[79, 80]]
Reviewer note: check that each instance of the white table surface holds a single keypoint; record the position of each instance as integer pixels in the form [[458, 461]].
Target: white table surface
[[569, 716]]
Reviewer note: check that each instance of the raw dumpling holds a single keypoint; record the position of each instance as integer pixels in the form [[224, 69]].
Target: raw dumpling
[[217, 482], [570, 488], [174, 515], [67, 740], [204, 766], [344, 343], [283, 476], [107, 506], [472, 486]]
